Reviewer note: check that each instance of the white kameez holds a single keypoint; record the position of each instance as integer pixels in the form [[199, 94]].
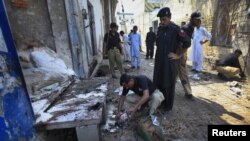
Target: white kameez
[[126, 46], [196, 56]]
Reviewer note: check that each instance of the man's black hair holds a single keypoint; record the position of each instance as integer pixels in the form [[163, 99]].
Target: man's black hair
[[113, 25], [121, 32], [195, 15], [125, 78], [135, 27], [238, 51]]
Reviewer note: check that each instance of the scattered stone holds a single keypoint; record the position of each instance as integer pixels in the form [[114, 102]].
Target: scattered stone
[[237, 90]]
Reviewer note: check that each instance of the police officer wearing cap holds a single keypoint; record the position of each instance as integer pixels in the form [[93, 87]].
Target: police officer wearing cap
[[169, 38], [182, 54], [112, 48]]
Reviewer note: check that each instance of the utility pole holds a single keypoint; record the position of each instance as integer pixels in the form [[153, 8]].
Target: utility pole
[[123, 22]]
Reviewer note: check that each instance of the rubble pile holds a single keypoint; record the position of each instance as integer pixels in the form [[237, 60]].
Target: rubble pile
[[236, 88], [44, 72], [46, 75]]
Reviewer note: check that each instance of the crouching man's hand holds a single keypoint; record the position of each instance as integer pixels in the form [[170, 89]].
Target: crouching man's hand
[[131, 110], [117, 115]]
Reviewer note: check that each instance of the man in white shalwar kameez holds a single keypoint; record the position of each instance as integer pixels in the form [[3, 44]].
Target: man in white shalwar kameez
[[126, 46], [200, 37], [135, 39]]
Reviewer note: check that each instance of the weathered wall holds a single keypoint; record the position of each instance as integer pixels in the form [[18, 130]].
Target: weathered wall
[[241, 38], [33, 22], [242, 31], [141, 20], [229, 26], [93, 26], [60, 30], [98, 22], [42, 21], [180, 9], [16, 116]]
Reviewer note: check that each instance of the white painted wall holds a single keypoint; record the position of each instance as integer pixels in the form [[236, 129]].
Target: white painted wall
[[180, 9], [136, 7], [99, 25]]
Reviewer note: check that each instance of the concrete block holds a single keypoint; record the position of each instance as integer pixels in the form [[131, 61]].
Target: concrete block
[[88, 133]]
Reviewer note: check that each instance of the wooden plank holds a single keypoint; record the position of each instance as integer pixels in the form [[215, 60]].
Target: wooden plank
[[58, 88], [76, 109], [41, 84], [85, 86], [75, 123], [69, 114]]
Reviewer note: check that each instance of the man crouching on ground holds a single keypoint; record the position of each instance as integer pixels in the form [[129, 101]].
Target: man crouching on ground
[[142, 86]]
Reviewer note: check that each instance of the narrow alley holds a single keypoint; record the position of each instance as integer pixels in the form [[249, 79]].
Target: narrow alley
[[61, 64], [214, 103]]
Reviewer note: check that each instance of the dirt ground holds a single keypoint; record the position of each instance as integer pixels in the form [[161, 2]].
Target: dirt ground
[[214, 103]]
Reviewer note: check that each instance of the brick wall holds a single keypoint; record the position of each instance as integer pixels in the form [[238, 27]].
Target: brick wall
[[227, 21]]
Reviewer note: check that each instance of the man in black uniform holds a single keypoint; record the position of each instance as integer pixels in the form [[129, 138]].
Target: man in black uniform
[[142, 86], [168, 40], [229, 65], [182, 54], [112, 47], [150, 41]]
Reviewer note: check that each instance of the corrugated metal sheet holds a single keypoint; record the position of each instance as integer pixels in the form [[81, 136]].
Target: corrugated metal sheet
[[151, 5]]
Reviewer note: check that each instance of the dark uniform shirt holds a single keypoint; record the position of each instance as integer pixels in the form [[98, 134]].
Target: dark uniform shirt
[[168, 40], [150, 38], [229, 60], [141, 83], [112, 40], [188, 29]]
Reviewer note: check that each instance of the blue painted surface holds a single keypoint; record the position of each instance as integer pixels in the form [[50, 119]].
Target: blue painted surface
[[74, 38], [16, 114]]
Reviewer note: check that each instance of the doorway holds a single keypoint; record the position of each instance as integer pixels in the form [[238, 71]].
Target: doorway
[[92, 28]]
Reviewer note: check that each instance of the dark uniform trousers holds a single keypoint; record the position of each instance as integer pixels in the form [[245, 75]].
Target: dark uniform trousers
[[114, 56], [183, 74], [150, 51]]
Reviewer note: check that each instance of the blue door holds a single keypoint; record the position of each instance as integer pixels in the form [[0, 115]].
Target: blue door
[[16, 114]]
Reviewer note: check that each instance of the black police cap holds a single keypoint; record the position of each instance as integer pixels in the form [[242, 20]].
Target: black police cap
[[164, 12], [238, 51]]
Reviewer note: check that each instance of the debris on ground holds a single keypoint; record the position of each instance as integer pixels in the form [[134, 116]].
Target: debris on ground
[[213, 103], [236, 88]]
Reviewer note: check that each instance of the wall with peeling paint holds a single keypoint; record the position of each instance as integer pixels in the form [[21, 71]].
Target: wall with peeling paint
[[58, 20], [228, 22], [16, 115], [33, 22], [43, 21]]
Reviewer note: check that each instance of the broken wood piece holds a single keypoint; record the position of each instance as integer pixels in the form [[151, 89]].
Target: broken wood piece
[[97, 106], [89, 85], [46, 93], [54, 98], [38, 85]]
